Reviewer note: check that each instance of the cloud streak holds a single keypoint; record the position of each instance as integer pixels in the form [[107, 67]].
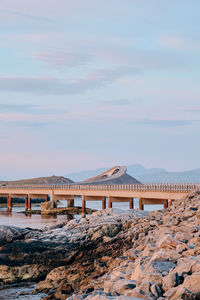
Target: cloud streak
[[62, 59], [11, 107], [53, 86], [32, 124], [165, 123], [119, 102], [24, 15], [29, 109]]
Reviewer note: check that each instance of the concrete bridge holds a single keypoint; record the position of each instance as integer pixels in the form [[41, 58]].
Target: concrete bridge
[[147, 194]]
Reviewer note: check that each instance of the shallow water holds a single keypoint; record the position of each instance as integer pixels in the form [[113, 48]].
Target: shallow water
[[21, 292], [15, 218]]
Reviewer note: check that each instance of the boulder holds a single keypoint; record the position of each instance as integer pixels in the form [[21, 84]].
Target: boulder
[[160, 266], [168, 243], [122, 285], [10, 233], [179, 292], [192, 283], [156, 290], [154, 277], [165, 255], [184, 237], [184, 266], [171, 280], [48, 206]]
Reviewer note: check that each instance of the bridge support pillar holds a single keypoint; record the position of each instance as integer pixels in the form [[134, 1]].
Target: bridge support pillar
[[29, 203], [70, 203], [131, 205], [83, 207], [9, 203], [26, 202], [109, 202], [52, 198], [165, 204], [104, 203], [141, 206], [170, 202]]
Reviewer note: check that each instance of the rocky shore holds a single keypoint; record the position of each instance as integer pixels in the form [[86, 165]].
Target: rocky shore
[[110, 255], [70, 211]]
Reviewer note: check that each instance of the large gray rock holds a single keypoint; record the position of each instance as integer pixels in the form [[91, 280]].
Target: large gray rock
[[119, 286], [10, 233], [161, 266]]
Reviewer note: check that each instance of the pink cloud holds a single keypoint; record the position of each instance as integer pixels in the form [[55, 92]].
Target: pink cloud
[[172, 42], [63, 59]]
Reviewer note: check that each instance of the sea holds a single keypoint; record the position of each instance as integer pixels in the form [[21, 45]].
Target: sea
[[19, 219]]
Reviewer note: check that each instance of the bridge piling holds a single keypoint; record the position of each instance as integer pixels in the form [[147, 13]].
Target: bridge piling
[[131, 205], [52, 198], [83, 207], [29, 203], [104, 203], [26, 202], [109, 202], [165, 204], [141, 206], [70, 203], [9, 203]]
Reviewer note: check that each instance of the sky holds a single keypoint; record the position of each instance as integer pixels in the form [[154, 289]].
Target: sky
[[90, 84]]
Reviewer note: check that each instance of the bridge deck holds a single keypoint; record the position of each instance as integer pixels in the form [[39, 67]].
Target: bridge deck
[[146, 193]]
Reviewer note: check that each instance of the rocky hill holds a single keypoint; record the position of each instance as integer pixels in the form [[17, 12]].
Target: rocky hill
[[39, 180]]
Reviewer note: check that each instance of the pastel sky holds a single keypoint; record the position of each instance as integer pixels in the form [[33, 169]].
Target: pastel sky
[[88, 83]]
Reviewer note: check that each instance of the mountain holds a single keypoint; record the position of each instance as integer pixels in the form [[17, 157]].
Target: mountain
[[137, 169], [40, 180], [145, 175], [191, 176]]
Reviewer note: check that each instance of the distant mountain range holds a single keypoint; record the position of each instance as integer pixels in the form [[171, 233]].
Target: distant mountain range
[[145, 175], [139, 172]]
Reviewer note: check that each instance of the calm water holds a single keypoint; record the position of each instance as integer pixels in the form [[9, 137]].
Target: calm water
[[15, 218], [24, 292], [21, 292]]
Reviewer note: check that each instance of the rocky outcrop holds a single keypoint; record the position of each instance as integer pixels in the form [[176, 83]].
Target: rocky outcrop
[[58, 252], [163, 261], [10, 233], [50, 208]]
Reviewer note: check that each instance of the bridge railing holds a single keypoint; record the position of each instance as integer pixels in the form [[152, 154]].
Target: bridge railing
[[154, 187]]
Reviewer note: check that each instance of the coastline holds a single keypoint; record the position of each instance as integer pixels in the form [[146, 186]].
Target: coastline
[[115, 252]]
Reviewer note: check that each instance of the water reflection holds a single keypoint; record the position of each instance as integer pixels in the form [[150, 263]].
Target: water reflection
[[25, 219]]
